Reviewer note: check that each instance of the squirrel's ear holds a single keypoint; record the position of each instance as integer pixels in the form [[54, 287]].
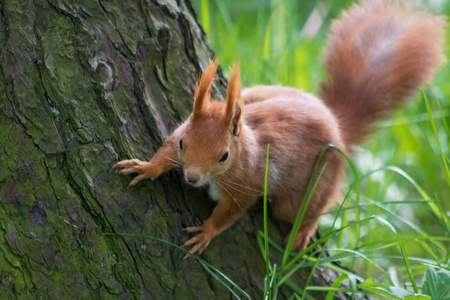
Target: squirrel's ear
[[235, 104], [202, 93]]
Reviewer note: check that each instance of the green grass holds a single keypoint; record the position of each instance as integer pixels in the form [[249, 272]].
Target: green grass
[[382, 287], [403, 173]]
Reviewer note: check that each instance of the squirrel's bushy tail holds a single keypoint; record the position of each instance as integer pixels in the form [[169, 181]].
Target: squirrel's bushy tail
[[378, 54]]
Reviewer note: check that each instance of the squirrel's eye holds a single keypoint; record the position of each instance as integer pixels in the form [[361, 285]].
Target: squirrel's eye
[[224, 157], [181, 144]]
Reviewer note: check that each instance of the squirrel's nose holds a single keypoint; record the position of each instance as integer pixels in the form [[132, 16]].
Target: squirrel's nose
[[192, 178], [192, 175]]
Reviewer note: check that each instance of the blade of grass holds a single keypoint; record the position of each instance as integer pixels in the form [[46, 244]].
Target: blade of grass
[[403, 250], [433, 126], [302, 210], [367, 259], [327, 289], [379, 292], [341, 233], [267, 288], [205, 16], [267, 39], [218, 279], [362, 205], [337, 283], [297, 266], [274, 284], [356, 182], [422, 117], [342, 256], [323, 246], [224, 14], [298, 290], [341, 206], [352, 281]]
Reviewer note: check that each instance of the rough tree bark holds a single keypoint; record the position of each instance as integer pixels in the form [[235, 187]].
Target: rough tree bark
[[84, 85]]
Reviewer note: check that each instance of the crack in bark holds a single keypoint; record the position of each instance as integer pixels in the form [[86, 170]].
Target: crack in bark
[[136, 267], [189, 48], [77, 190], [141, 106], [105, 11], [145, 17], [5, 22]]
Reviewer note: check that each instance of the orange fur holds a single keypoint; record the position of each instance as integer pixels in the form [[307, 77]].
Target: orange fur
[[234, 104], [202, 95], [388, 52], [378, 54]]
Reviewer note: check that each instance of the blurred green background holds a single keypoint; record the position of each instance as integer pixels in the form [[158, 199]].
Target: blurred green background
[[281, 42]]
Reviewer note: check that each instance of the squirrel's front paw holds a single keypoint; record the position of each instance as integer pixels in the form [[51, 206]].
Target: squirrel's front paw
[[201, 240], [144, 169]]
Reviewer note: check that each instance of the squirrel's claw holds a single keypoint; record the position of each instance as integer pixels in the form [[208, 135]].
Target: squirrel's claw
[[136, 166], [127, 163], [137, 179], [127, 171], [192, 229], [200, 241]]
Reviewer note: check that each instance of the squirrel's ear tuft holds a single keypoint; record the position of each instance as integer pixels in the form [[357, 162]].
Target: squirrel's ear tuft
[[235, 104], [202, 93]]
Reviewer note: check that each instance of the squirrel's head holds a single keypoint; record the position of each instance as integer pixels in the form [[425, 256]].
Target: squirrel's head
[[209, 145]]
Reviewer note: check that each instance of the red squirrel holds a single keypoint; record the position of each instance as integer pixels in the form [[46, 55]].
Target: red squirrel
[[378, 54]]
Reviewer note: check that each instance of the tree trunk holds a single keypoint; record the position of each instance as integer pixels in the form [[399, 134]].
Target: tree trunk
[[84, 85]]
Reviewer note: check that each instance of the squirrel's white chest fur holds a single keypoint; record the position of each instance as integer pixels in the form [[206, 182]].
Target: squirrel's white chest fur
[[212, 191]]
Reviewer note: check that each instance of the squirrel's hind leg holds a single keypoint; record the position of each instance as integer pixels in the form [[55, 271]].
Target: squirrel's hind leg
[[286, 209], [307, 229]]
